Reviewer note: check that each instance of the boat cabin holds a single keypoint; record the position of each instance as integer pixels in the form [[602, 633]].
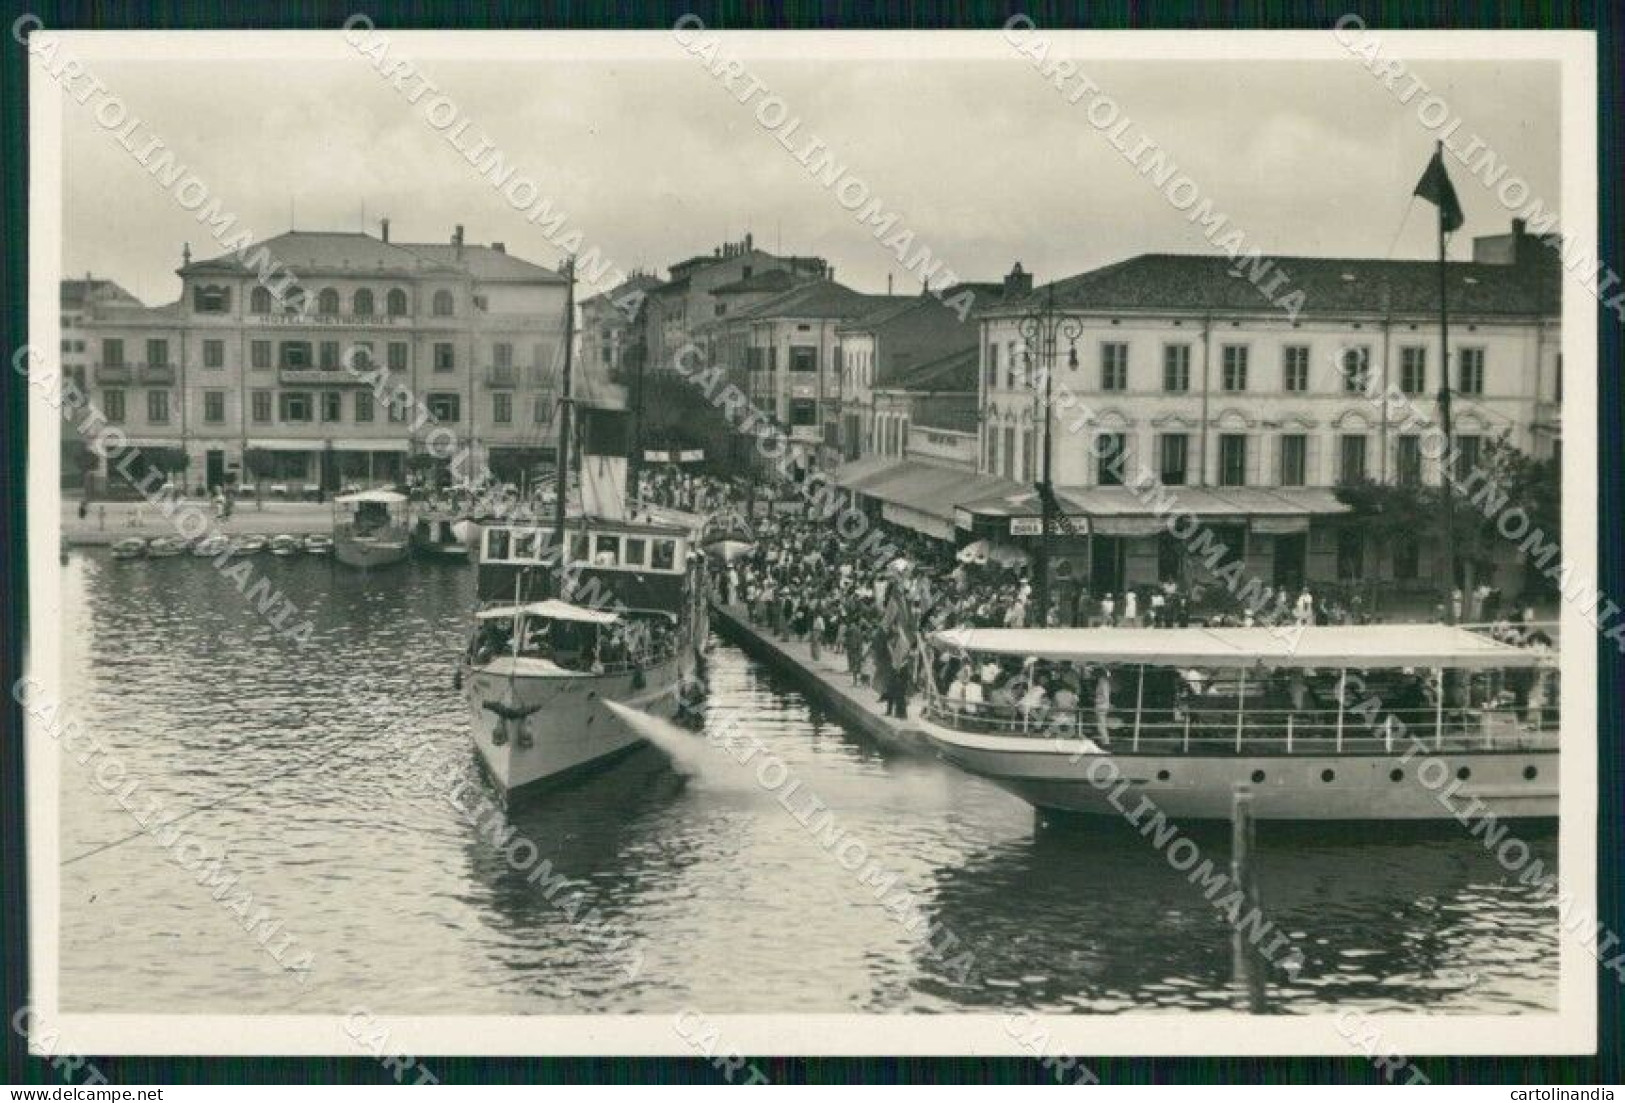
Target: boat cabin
[[368, 512], [642, 565], [570, 638], [1249, 690]]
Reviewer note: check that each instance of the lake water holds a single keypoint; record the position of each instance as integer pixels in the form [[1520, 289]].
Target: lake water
[[729, 902]]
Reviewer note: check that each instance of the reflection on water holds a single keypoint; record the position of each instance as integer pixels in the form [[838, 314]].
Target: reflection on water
[[727, 901]]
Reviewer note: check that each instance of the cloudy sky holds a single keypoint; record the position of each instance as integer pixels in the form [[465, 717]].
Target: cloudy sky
[[655, 162]]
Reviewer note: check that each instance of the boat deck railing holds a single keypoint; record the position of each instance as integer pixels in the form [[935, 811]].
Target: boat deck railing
[[1244, 731]]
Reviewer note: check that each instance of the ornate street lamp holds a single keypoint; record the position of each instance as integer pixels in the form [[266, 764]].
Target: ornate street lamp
[[1042, 330]]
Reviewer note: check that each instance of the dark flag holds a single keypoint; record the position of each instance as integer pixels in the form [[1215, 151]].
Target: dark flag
[[1436, 188]]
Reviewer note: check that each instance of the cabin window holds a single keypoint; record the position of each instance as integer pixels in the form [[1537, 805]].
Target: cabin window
[[665, 555], [496, 544], [524, 545], [578, 546], [636, 550], [606, 551]]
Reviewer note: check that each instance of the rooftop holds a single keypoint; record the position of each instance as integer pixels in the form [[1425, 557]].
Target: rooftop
[[1330, 285], [818, 299], [346, 253]]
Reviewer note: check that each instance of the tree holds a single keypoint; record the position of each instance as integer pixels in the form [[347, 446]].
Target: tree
[[1503, 481], [259, 463], [78, 460]]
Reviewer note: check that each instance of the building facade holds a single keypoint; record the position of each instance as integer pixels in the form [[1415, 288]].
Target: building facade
[[1251, 417], [879, 348], [452, 349], [676, 311]]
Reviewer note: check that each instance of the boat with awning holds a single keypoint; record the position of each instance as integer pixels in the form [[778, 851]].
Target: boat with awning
[[1366, 722]]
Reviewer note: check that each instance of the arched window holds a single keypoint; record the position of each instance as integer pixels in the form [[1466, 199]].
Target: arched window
[[260, 301], [363, 303], [443, 306], [327, 302], [295, 300], [396, 303], [212, 300]]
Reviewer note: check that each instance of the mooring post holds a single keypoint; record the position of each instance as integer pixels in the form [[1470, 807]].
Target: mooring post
[[1249, 971]]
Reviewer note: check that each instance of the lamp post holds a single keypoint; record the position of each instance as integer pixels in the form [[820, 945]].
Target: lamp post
[[1041, 330]]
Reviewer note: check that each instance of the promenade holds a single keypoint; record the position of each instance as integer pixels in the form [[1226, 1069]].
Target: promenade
[[825, 680], [109, 522]]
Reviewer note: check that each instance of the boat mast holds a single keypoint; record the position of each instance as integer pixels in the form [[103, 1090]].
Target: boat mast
[[564, 405]]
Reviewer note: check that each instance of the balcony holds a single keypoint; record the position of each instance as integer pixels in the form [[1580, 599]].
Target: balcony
[[115, 373], [155, 373], [502, 376], [325, 377], [812, 433]]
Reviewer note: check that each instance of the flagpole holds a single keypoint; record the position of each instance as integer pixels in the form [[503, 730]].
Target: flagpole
[[1445, 474]]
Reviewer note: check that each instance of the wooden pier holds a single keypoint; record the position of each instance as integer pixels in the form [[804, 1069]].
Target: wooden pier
[[826, 681]]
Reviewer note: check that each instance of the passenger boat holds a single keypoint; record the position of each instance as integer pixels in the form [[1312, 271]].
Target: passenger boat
[[249, 545], [594, 610], [131, 547], [318, 544], [1387, 722], [371, 528], [162, 547], [286, 545], [622, 620]]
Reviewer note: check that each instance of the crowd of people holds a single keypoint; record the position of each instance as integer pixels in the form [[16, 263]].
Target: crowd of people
[[803, 580]]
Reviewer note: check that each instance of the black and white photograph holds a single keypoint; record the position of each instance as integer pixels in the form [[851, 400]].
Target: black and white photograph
[[704, 543]]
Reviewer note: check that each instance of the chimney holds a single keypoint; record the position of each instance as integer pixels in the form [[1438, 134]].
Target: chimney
[[498, 247], [186, 253], [888, 283], [1018, 282], [457, 240], [748, 240], [383, 229]]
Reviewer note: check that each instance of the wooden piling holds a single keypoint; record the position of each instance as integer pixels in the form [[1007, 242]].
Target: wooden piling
[[1246, 958]]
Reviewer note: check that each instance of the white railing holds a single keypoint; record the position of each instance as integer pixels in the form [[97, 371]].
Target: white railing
[[1268, 731]]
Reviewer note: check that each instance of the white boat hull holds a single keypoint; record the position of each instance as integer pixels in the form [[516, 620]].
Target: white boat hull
[[1078, 777], [370, 553], [570, 730]]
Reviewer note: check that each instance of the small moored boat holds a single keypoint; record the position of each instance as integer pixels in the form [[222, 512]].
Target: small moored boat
[[249, 545], [318, 544], [162, 547], [131, 547], [286, 545], [371, 528], [211, 546]]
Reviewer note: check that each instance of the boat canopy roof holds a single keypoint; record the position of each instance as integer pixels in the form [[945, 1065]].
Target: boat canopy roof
[[388, 497], [552, 609], [1361, 646]]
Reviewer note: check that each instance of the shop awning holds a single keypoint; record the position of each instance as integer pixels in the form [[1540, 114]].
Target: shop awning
[[1127, 511], [858, 473], [924, 496], [288, 445], [381, 445]]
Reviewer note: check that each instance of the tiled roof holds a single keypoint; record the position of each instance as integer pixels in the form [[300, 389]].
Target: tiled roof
[[1330, 285], [775, 280], [310, 251], [983, 295], [640, 281], [484, 262], [954, 372], [77, 293], [818, 299]]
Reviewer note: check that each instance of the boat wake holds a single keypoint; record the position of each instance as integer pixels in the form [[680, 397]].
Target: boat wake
[[686, 750]]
